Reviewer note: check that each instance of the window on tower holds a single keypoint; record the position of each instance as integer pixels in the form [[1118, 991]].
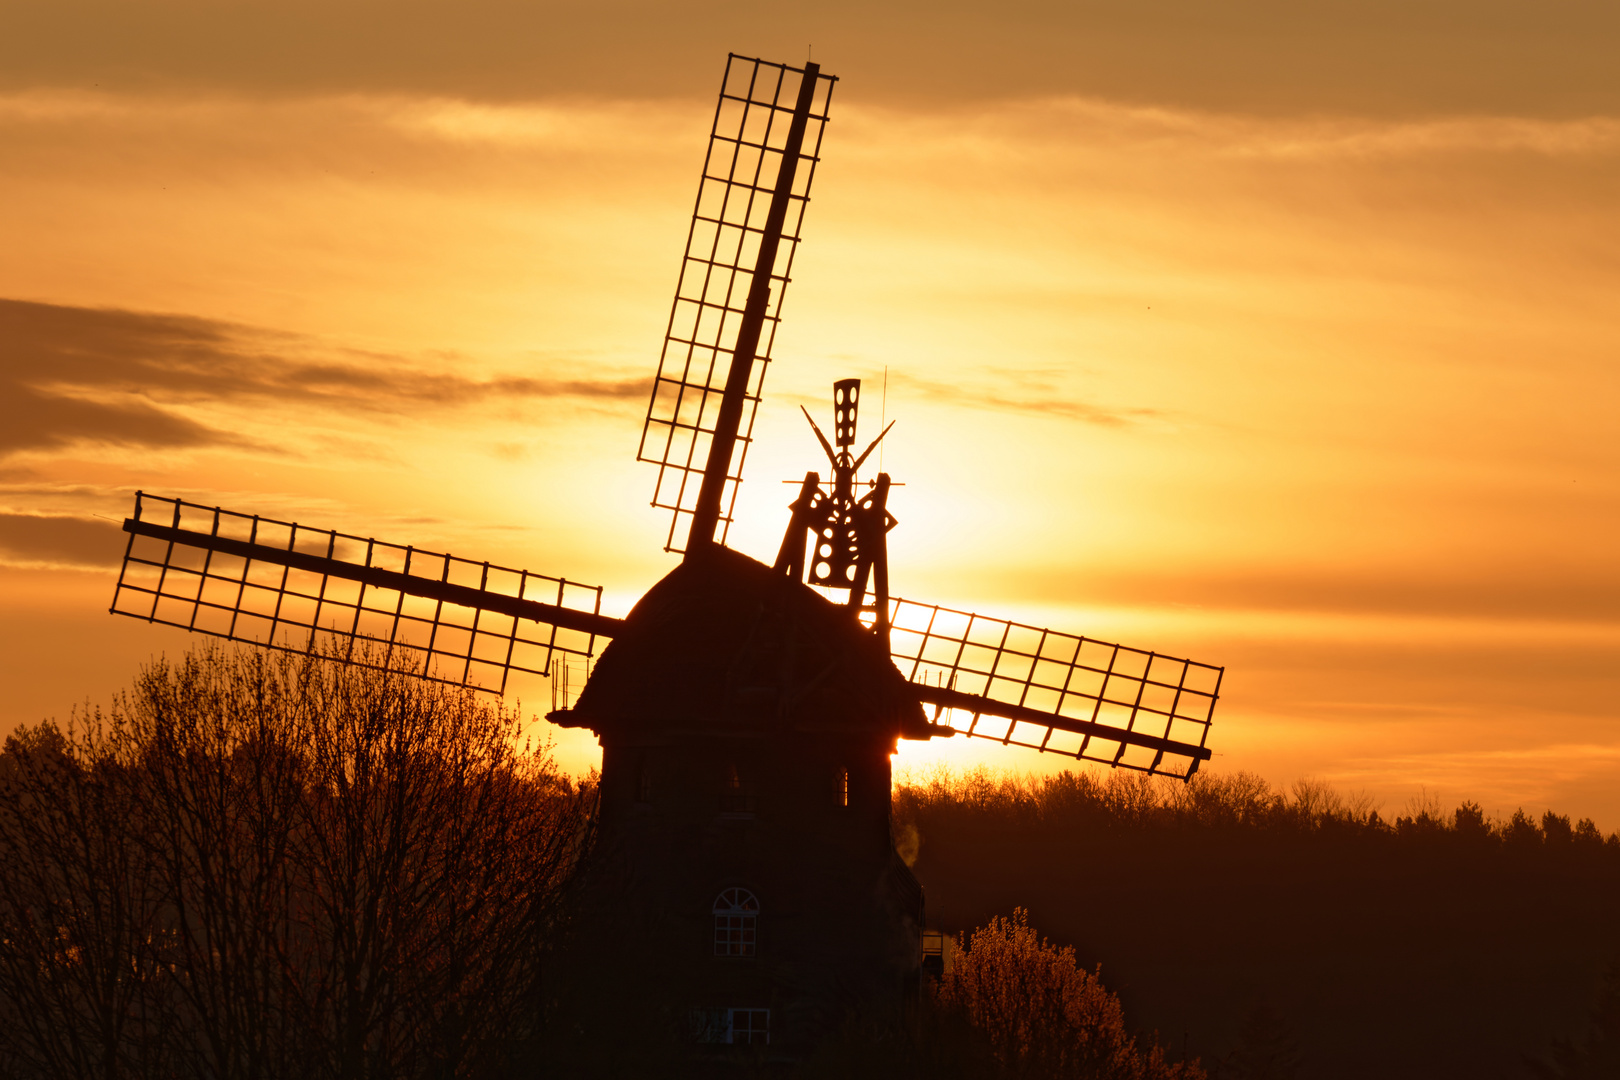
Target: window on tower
[[750, 1027], [736, 923], [737, 1027], [843, 787]]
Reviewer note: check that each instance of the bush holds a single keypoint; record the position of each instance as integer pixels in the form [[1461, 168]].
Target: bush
[[1042, 1015]]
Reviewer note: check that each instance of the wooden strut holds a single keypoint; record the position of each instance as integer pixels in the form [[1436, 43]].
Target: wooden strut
[[874, 523], [588, 622], [977, 704], [706, 512], [790, 558]]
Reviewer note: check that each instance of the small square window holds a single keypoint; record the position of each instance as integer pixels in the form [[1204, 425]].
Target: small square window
[[750, 1027], [731, 1027]]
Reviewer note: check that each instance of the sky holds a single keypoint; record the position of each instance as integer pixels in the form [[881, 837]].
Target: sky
[[1279, 336]]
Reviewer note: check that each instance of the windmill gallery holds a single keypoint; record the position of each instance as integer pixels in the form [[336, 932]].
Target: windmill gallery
[[746, 712]]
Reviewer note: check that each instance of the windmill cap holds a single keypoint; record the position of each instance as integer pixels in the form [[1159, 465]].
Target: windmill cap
[[725, 643]]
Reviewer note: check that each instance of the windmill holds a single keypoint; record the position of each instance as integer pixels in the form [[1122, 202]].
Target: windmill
[[746, 711]]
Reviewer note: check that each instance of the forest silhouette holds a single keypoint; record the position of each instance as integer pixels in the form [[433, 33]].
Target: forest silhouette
[[1296, 932], [261, 865]]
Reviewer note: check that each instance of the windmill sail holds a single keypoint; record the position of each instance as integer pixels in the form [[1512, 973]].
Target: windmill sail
[[1025, 686], [286, 586], [739, 253]]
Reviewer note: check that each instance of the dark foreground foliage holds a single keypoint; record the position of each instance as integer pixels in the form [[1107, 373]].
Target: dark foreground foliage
[[268, 866], [1295, 933]]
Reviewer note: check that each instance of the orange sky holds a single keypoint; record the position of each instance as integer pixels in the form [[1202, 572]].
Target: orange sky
[[1283, 340]]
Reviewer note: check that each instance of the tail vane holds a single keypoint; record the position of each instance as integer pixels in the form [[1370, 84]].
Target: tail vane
[[286, 586], [1025, 686]]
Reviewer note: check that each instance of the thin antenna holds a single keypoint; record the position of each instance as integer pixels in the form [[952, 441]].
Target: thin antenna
[[884, 412]]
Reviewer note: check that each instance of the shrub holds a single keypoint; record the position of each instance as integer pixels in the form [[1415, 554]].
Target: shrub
[[1042, 1015]]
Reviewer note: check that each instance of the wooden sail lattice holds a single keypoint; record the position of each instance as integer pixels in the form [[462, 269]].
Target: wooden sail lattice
[[1027, 686], [722, 259], [286, 586]]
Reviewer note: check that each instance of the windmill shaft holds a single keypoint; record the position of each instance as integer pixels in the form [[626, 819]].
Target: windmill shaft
[[587, 622], [706, 512], [975, 703]]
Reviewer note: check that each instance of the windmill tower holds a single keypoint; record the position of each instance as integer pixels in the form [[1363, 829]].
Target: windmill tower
[[746, 711]]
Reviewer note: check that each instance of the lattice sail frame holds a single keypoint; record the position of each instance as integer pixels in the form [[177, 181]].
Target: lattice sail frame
[[262, 602], [751, 121], [1071, 682]]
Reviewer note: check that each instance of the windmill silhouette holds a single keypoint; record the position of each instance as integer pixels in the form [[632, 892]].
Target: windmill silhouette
[[746, 712]]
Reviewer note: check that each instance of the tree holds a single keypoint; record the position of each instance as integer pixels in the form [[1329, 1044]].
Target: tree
[[81, 916], [1521, 831], [1469, 822], [1043, 1015], [270, 865]]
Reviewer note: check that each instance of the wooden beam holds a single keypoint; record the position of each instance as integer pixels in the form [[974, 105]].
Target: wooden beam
[[588, 622], [983, 706]]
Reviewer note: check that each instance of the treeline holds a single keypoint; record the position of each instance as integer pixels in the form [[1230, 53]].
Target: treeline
[[1120, 799], [1244, 923], [257, 865]]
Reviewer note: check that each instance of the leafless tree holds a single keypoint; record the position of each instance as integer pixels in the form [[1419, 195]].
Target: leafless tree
[[81, 913], [312, 868]]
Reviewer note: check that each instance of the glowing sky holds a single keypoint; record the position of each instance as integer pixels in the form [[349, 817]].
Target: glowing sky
[[1284, 338]]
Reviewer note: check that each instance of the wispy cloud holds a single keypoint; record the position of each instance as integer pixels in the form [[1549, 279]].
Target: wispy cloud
[[59, 540], [1039, 394], [1068, 126], [73, 375], [1588, 136], [1483, 595]]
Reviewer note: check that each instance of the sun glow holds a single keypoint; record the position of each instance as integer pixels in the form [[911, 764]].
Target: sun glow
[[1287, 395]]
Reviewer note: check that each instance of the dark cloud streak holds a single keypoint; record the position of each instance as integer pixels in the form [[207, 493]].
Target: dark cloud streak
[[1412, 57], [71, 375], [32, 420], [60, 539]]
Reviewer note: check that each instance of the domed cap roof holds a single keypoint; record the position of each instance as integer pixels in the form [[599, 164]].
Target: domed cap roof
[[726, 643]]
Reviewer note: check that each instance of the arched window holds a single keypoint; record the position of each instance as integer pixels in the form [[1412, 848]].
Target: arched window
[[736, 923]]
